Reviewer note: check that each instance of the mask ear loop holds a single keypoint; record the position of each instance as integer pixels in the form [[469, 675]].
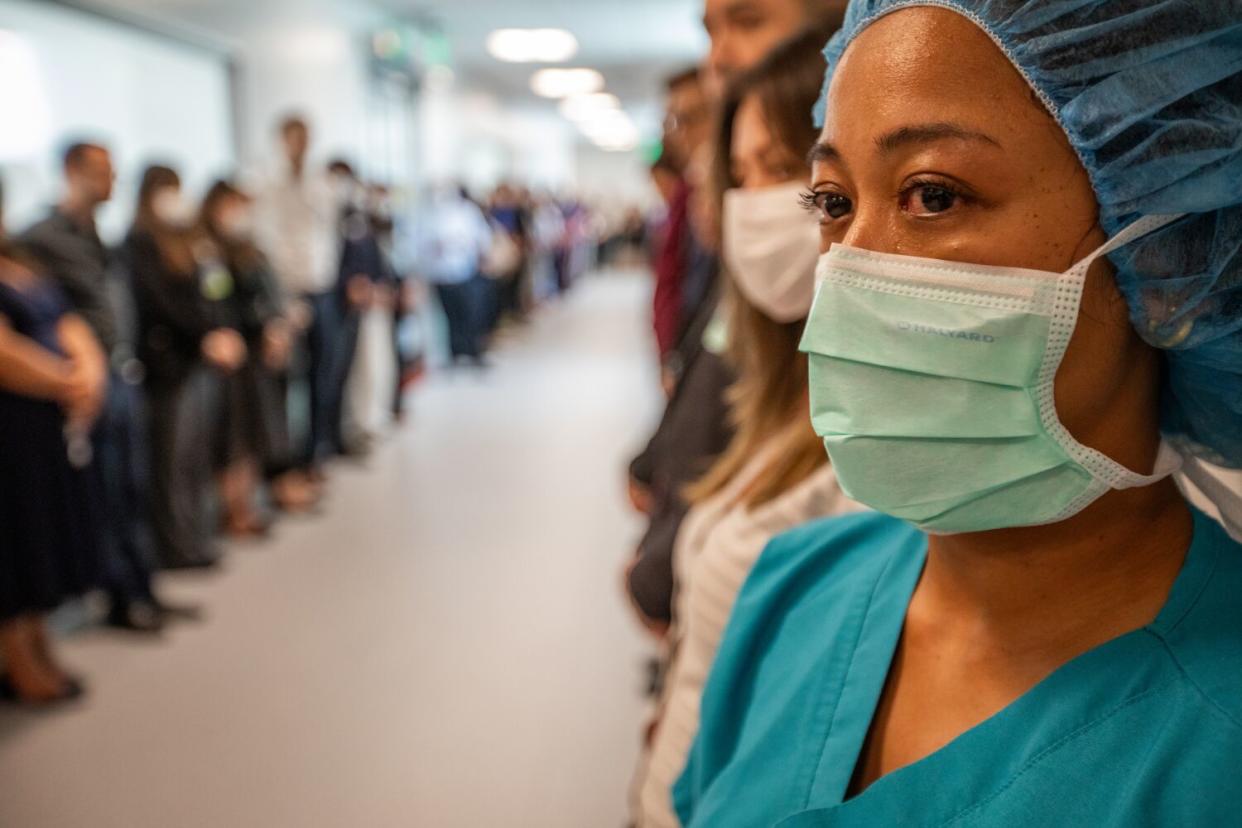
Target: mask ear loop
[[1132, 232], [1065, 318]]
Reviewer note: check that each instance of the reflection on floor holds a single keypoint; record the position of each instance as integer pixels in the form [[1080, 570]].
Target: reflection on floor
[[446, 646]]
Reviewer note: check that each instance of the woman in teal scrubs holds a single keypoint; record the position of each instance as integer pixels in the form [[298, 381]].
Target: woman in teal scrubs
[[1030, 315]]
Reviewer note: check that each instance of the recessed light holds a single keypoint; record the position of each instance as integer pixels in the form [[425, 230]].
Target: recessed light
[[581, 107], [561, 83], [532, 45]]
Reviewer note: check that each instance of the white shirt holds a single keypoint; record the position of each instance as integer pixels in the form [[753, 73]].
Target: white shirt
[[297, 224], [450, 241], [717, 546]]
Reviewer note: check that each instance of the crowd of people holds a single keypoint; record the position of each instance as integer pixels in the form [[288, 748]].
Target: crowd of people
[[194, 381], [885, 235]]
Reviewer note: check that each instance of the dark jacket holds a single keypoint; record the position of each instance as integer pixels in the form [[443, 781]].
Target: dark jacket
[[692, 434], [255, 299], [173, 313]]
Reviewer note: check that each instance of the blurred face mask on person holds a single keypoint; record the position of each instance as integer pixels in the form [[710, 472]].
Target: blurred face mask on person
[[972, 362], [743, 31], [771, 241], [172, 207], [345, 189], [235, 220], [89, 178]]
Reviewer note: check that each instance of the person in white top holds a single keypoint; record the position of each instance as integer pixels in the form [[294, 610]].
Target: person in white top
[[297, 224], [774, 475]]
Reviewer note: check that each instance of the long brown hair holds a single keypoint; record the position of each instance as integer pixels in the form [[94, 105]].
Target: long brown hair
[[175, 244], [768, 402]]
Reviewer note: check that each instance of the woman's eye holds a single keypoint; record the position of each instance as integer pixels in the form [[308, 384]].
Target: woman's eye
[[928, 199], [827, 206]]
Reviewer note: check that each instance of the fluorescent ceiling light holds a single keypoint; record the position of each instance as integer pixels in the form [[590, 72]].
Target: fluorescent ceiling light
[[584, 107], [611, 124], [532, 45], [561, 83]]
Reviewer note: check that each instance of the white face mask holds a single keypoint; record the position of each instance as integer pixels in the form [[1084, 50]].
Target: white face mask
[[173, 208], [771, 245], [237, 224]]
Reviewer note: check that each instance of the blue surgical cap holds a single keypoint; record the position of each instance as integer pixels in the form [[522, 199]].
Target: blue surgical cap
[[1149, 93]]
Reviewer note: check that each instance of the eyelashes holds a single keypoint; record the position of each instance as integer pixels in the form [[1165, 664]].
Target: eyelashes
[[920, 198], [826, 206]]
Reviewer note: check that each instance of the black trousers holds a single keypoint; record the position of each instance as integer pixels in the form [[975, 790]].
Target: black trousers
[[322, 358], [463, 310], [348, 325], [122, 464], [183, 417]]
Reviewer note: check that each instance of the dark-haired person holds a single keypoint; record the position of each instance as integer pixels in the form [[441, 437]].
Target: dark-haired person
[[256, 397], [365, 293], [184, 347], [1028, 320], [254, 436], [67, 246], [297, 221], [52, 387], [452, 238]]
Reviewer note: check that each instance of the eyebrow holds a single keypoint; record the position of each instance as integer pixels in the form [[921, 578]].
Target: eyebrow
[[926, 133], [735, 7], [904, 136]]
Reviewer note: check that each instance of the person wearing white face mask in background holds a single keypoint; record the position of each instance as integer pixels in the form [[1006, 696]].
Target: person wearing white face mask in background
[[774, 474], [181, 342], [253, 434]]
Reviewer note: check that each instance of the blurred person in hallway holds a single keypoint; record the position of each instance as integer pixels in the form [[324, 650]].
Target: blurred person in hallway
[[365, 374], [257, 397], [53, 383], [298, 225], [547, 240], [508, 213], [382, 210], [253, 433], [452, 238], [774, 474], [178, 286], [687, 127], [695, 427], [68, 249]]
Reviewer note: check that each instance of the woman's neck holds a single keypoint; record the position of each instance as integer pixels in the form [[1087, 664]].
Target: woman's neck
[[1067, 586]]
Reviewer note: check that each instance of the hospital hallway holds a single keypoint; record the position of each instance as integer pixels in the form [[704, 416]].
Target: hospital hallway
[[446, 645]]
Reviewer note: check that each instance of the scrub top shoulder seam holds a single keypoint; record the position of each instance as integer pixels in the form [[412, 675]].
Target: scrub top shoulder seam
[[1189, 679], [1053, 748]]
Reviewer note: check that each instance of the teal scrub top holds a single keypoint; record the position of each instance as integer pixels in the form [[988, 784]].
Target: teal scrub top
[[1143, 730]]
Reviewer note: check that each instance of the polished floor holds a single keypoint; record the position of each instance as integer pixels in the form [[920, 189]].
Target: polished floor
[[446, 646]]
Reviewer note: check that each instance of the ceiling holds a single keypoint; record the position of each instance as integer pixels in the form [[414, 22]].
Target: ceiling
[[634, 43]]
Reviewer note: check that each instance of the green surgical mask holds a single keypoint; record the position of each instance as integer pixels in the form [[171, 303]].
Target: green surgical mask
[[932, 387]]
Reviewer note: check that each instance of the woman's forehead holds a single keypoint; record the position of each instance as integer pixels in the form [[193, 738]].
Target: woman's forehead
[[927, 64]]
